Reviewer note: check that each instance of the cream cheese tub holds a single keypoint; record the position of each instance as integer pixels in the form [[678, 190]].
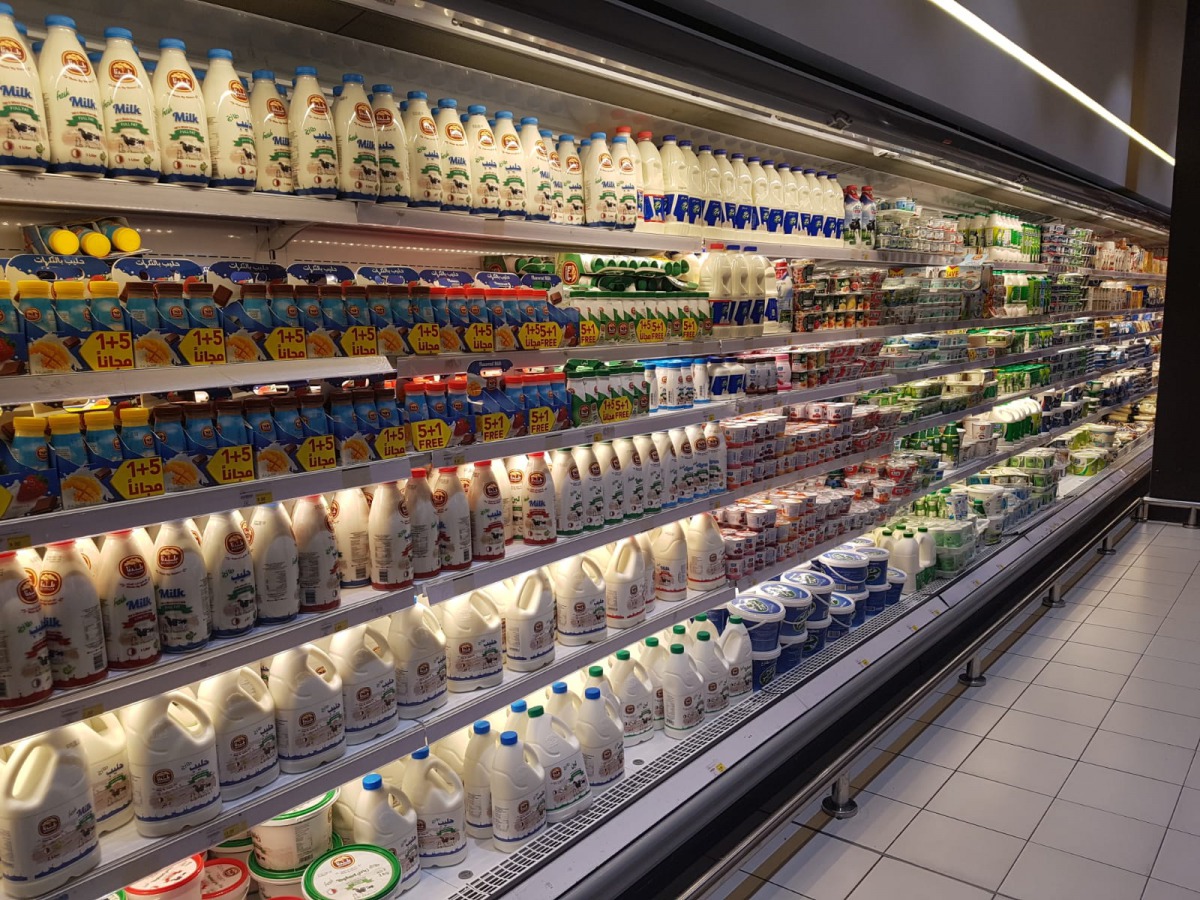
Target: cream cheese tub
[[356, 870], [183, 880], [225, 879], [238, 848], [295, 838], [282, 885]]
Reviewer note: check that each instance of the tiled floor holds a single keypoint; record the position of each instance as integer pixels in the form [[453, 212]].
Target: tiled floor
[[1073, 774]]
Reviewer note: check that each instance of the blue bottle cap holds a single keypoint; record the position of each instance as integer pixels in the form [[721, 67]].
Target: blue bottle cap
[[381, 89], [352, 78], [559, 687], [527, 120], [599, 136], [519, 706], [566, 137], [306, 70], [171, 44], [668, 138], [217, 53], [372, 782], [417, 95], [263, 74], [483, 726], [477, 109], [64, 21], [504, 114], [421, 753], [508, 738], [592, 693], [447, 103], [116, 33]]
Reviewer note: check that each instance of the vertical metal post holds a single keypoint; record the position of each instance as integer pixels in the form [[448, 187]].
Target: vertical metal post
[[1191, 519], [1142, 513], [1106, 547], [1054, 599], [838, 804], [972, 676]]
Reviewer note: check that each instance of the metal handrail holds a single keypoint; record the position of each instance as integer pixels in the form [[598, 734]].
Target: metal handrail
[[841, 763]]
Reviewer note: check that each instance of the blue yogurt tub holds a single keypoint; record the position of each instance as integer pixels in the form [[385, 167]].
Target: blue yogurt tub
[[847, 569], [797, 604], [895, 579], [841, 615], [762, 617], [791, 651], [876, 598], [819, 586], [877, 565], [766, 667], [816, 636]]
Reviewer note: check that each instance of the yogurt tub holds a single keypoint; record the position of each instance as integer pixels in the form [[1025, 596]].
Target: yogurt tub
[[356, 870], [877, 564], [226, 879], [791, 651], [718, 618], [815, 642], [282, 885], [762, 617], [841, 615], [238, 848], [860, 607], [876, 601], [896, 578], [845, 567], [818, 585], [183, 880], [295, 838], [797, 604], [765, 667]]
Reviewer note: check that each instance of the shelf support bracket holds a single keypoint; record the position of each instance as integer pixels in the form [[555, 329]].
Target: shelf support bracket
[[1106, 547], [972, 676], [1054, 598], [838, 804], [279, 236]]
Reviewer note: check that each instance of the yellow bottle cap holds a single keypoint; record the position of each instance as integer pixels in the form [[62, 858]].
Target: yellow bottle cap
[[63, 242], [68, 290], [100, 418], [33, 288], [29, 426], [104, 288], [64, 423], [93, 243], [125, 239], [135, 415]]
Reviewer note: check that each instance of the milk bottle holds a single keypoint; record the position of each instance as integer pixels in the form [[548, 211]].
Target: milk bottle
[[867, 198], [653, 185], [634, 477], [45, 783], [745, 213], [391, 147], [729, 192], [561, 757], [349, 514], [812, 200], [601, 738], [676, 182], [595, 505], [834, 209], [718, 461], [686, 486], [385, 817], [652, 473], [486, 168], [568, 491], [713, 669], [474, 641], [173, 763], [319, 579], [558, 212], [271, 139], [579, 592], [695, 188], [518, 794], [791, 201], [368, 672], [26, 140], [73, 629], [643, 542], [735, 646], [419, 647], [574, 204], [500, 477], [672, 489], [760, 190], [668, 546], [627, 178], [243, 716], [182, 119], [389, 536], [529, 623], [624, 581], [477, 780], [683, 695], [713, 217], [454, 520], [313, 138], [276, 564], [183, 589], [424, 152], [103, 741], [230, 125], [829, 217], [127, 603], [437, 794], [614, 482], [71, 96], [423, 522], [358, 156], [26, 676], [540, 502], [635, 698], [853, 213], [563, 704], [515, 467], [516, 182], [706, 553], [600, 184], [231, 569], [309, 715], [130, 115], [539, 188], [700, 460]]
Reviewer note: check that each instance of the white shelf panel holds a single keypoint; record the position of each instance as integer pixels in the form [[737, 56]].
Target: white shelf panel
[[1136, 277]]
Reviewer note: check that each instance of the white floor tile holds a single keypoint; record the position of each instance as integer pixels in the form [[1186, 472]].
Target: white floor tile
[[1066, 706], [775, 849], [1184, 539], [1178, 861], [958, 849], [1100, 836], [879, 821], [1187, 812], [1172, 671], [1120, 662], [1018, 668], [1155, 605], [1042, 873], [1181, 563], [745, 888], [1031, 645], [892, 879], [966, 715], [1002, 692], [1126, 753], [1193, 779], [1130, 621], [1039, 733], [1155, 575], [1048, 626], [1095, 582], [821, 868], [990, 804], [1020, 767], [1085, 596], [1072, 612], [1160, 890], [939, 746], [1082, 681], [1159, 695], [1112, 638], [1135, 587], [907, 780], [1153, 724], [1129, 795], [1187, 629], [1187, 607], [1173, 648]]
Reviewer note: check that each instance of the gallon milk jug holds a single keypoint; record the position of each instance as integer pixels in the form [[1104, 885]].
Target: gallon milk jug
[[437, 794], [385, 817], [735, 647], [594, 676], [601, 739], [130, 114], [518, 794], [243, 716], [529, 618], [389, 536], [568, 491], [419, 647], [486, 169], [354, 127], [683, 695], [563, 704], [477, 779], [367, 668], [635, 698], [182, 588], [634, 475], [173, 761], [424, 152], [539, 188], [313, 140], [423, 524], [348, 513], [70, 611], [500, 474], [728, 192], [276, 564], [539, 502], [487, 513], [713, 671], [653, 190], [309, 716], [580, 597], [454, 520], [319, 578], [906, 556], [713, 218], [514, 179], [231, 568], [456, 168], [46, 783], [453, 749], [695, 188], [182, 118], [669, 548], [474, 641], [230, 125], [643, 542], [573, 176], [23, 116], [515, 468], [72, 100], [791, 202], [561, 758], [706, 554], [103, 742], [391, 147], [271, 139], [613, 483], [127, 603], [517, 718], [624, 584], [926, 549], [652, 473], [760, 192], [653, 658], [592, 476]]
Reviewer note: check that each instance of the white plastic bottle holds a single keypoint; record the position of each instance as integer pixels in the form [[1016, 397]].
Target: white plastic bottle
[[613, 482], [685, 486], [676, 183], [231, 128], [706, 553], [592, 475], [183, 590], [518, 789], [813, 201], [104, 746], [773, 217], [172, 761], [23, 116], [130, 115], [71, 96], [652, 473], [389, 536], [713, 669], [926, 549], [70, 624], [539, 187], [419, 646], [319, 579], [539, 503], [354, 128], [600, 187], [313, 138], [558, 212], [568, 493], [695, 189], [483, 154], [46, 781], [906, 556], [477, 780], [499, 477], [601, 739], [729, 192], [736, 648], [574, 205], [276, 564], [683, 695], [836, 210], [348, 514], [563, 704], [628, 178], [579, 591], [643, 542], [272, 142], [561, 758], [653, 187], [454, 520], [700, 460], [669, 548], [365, 664], [672, 487], [182, 118], [624, 583], [791, 202], [514, 178], [713, 217], [437, 794], [423, 523], [424, 152], [231, 569], [309, 716], [474, 641], [127, 603], [385, 817], [759, 192], [653, 658], [635, 698], [243, 717], [634, 476], [391, 147], [718, 459], [529, 615]]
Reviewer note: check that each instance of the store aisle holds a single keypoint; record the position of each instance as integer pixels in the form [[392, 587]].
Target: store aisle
[[1073, 774]]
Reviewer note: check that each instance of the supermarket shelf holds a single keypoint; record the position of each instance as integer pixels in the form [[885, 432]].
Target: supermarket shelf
[[832, 252], [1137, 277]]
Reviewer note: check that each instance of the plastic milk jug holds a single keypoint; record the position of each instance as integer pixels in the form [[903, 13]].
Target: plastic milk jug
[[695, 188], [423, 524], [173, 761], [735, 646], [454, 520], [676, 181], [437, 794], [686, 485], [389, 538], [419, 647], [540, 506], [391, 147], [487, 513], [643, 542], [713, 670], [595, 676], [791, 201], [385, 817], [635, 698], [653, 658], [424, 152], [515, 468], [271, 139], [313, 138], [669, 548], [718, 462], [182, 118], [474, 641], [568, 493], [625, 583], [453, 748], [592, 476], [127, 603], [320, 572], [601, 739], [558, 213], [579, 592], [573, 178], [243, 716], [354, 126], [183, 589], [103, 741], [276, 564], [701, 461], [500, 477], [130, 113], [367, 668], [563, 704], [729, 195], [514, 179], [713, 218], [539, 188], [529, 616], [309, 716], [477, 779], [706, 553], [561, 758], [613, 483], [683, 695], [72, 99], [518, 793], [73, 623], [230, 125], [348, 513], [672, 488], [231, 568], [653, 189]]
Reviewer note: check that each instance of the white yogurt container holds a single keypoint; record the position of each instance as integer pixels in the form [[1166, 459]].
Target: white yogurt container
[[238, 848], [183, 880], [282, 884], [225, 879], [356, 870], [295, 838]]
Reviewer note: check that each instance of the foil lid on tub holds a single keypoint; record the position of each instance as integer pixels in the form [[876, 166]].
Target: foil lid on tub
[[759, 609]]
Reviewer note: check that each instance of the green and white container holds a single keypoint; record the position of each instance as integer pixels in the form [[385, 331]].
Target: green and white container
[[356, 870]]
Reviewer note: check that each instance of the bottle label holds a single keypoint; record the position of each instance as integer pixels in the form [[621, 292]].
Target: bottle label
[[74, 632], [581, 616], [636, 718], [676, 206], [518, 819], [368, 703], [624, 602], [33, 847], [604, 765], [716, 694], [487, 525], [529, 639], [391, 558], [131, 622], [167, 791], [235, 600], [305, 732], [475, 658], [420, 680], [247, 752], [409, 854], [440, 834], [670, 580], [479, 806], [540, 526], [184, 593], [739, 679], [658, 706], [426, 560], [112, 790], [683, 713], [566, 783]]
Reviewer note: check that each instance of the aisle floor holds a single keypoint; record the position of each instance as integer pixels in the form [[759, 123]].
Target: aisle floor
[[1073, 774]]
